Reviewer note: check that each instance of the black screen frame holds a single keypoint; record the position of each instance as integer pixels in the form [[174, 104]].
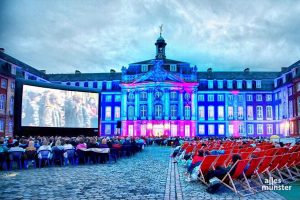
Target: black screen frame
[[49, 131]]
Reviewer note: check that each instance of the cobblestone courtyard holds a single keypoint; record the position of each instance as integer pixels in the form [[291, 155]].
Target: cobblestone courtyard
[[147, 175]]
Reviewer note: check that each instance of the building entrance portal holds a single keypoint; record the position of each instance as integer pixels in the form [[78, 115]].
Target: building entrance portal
[[158, 130]]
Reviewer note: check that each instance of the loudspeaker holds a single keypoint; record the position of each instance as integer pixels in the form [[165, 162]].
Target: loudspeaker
[[119, 124]]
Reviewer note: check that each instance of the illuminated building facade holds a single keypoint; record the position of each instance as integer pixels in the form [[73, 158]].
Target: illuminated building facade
[[161, 96]]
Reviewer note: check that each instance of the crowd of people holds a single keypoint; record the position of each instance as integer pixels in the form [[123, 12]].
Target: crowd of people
[[83, 148], [192, 159]]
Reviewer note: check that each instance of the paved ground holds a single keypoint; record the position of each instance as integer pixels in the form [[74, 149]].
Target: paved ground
[[147, 175]]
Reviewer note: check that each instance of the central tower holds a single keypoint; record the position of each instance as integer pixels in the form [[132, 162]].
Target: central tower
[[160, 48]]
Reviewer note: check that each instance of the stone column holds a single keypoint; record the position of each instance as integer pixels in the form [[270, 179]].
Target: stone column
[[167, 103], [124, 105], [136, 105], [150, 103], [180, 105], [194, 104]]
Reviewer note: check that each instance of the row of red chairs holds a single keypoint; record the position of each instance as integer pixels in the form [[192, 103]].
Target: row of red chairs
[[282, 166]]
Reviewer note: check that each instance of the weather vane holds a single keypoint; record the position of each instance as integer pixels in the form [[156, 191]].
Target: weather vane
[[160, 28]]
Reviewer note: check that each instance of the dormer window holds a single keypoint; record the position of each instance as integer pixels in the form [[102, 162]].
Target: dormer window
[[258, 84], [220, 84], [108, 85], [173, 68], [210, 84], [239, 84], [144, 68]]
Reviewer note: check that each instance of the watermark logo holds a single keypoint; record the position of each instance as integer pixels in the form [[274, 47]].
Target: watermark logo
[[275, 184]]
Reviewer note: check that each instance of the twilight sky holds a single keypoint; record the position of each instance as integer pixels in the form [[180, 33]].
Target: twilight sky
[[96, 36]]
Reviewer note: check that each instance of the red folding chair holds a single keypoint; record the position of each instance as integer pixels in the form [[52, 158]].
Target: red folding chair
[[245, 155], [262, 168], [231, 179], [282, 166], [221, 161], [205, 166]]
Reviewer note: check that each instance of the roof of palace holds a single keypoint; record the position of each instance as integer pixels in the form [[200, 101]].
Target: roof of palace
[[24, 66], [166, 61], [85, 77]]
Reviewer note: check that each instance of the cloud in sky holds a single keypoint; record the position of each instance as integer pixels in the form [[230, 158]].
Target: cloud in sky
[[95, 36]]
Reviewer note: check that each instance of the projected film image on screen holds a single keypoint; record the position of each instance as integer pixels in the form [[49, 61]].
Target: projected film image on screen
[[45, 107]]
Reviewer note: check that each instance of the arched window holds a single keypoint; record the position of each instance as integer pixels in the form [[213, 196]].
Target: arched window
[[187, 112], [158, 111], [131, 96], [130, 112]]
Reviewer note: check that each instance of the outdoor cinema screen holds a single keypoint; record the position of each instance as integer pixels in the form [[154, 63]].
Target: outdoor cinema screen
[[46, 107]]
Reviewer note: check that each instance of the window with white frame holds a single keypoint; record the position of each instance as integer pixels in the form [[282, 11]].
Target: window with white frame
[[2, 102], [240, 112], [107, 113], [144, 68], [284, 78], [241, 128], [250, 129], [250, 112], [268, 97], [143, 96], [240, 98], [290, 109], [298, 105], [143, 110], [229, 84], [173, 130], [249, 84], [280, 111], [173, 95], [269, 113], [210, 84], [117, 112], [239, 84], [211, 129], [108, 85], [220, 97], [230, 97], [173, 68], [144, 130], [158, 111], [210, 97], [201, 97], [187, 112], [276, 96], [11, 105], [258, 84], [10, 126], [260, 129], [269, 128], [220, 84], [3, 83], [258, 97], [279, 95], [108, 98], [230, 112], [12, 85], [230, 129], [201, 112], [290, 91], [117, 98], [220, 112], [130, 112], [187, 131], [249, 97], [259, 112], [1, 125], [130, 130], [201, 129], [107, 130], [131, 96], [211, 113], [298, 87], [173, 111], [276, 112], [221, 128]]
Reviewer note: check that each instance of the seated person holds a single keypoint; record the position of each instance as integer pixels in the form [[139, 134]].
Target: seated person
[[196, 161], [81, 144], [45, 146], [221, 171]]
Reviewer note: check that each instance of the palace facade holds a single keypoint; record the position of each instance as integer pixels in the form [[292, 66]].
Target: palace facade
[[161, 96]]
